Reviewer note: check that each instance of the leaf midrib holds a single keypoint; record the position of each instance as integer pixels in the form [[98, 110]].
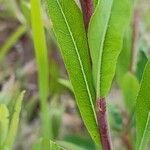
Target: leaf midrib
[[79, 59], [145, 129], [100, 58]]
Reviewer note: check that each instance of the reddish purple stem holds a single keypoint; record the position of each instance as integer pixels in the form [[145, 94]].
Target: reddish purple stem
[[87, 9], [103, 124]]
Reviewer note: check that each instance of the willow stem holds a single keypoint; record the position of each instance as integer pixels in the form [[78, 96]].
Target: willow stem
[[103, 124], [87, 9], [135, 38]]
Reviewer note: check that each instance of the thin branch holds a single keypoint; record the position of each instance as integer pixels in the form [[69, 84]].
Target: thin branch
[[126, 140], [135, 38], [103, 124], [87, 9]]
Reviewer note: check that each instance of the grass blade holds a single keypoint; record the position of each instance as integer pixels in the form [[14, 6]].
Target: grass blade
[[14, 122], [11, 41], [4, 123], [42, 63]]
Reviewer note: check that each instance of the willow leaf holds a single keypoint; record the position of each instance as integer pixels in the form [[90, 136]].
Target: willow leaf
[[105, 40], [143, 109], [69, 29]]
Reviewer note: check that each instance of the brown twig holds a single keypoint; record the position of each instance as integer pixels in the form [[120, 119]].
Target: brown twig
[[103, 124], [126, 140], [87, 9], [135, 38]]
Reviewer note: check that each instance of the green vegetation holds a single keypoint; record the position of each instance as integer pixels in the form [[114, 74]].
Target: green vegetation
[[83, 67]]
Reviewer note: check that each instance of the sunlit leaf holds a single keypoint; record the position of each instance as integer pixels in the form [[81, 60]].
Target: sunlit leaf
[[105, 35], [69, 29], [143, 111]]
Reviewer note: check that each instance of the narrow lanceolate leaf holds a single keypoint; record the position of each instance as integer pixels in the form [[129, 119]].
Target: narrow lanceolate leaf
[[105, 40], [143, 110], [14, 122], [69, 30], [4, 122]]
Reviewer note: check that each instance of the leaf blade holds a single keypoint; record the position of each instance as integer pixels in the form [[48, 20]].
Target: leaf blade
[[114, 17], [14, 122], [143, 106], [41, 54], [72, 41]]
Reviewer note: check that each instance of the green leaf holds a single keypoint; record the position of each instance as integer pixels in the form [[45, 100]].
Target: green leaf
[[141, 64], [42, 63], [26, 10], [70, 146], [143, 110], [66, 83], [4, 122], [105, 35], [54, 146], [146, 135], [11, 41], [69, 29], [14, 122], [130, 89], [82, 142], [124, 58], [95, 3], [44, 143]]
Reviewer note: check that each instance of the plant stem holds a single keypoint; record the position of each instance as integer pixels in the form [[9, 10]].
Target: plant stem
[[87, 9], [126, 140], [135, 38], [103, 124]]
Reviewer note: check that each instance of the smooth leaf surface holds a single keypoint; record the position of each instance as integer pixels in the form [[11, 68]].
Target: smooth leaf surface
[[69, 29], [143, 110], [130, 89], [124, 58], [41, 54], [4, 123], [105, 36], [142, 61]]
